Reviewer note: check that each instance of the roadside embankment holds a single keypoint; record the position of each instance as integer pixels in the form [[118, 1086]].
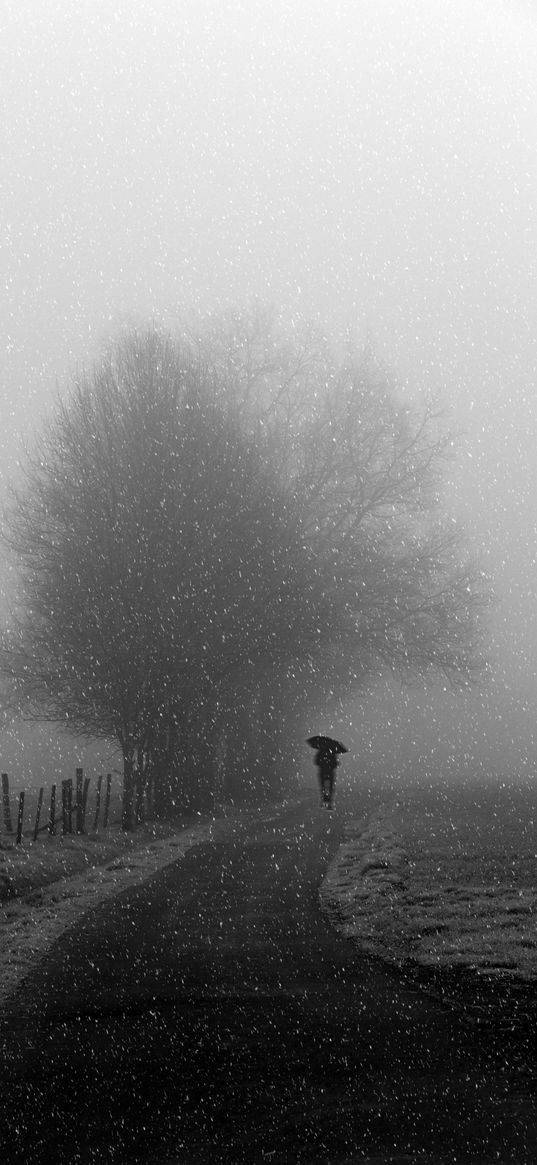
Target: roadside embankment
[[443, 884]]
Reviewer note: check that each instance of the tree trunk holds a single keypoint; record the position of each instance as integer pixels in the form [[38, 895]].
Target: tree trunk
[[127, 818], [244, 755]]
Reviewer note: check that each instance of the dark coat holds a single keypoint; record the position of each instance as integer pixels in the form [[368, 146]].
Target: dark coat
[[326, 759]]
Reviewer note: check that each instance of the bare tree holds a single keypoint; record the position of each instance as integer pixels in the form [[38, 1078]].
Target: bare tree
[[158, 553], [365, 471], [215, 532]]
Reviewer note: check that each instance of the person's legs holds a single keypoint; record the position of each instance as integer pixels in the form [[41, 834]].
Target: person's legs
[[327, 786], [330, 785]]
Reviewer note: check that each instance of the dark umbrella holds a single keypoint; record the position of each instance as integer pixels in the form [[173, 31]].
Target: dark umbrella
[[326, 743]]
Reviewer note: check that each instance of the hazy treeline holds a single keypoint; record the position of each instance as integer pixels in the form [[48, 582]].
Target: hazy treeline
[[218, 531]]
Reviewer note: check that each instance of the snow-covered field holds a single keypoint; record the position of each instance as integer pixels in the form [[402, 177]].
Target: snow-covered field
[[444, 879]]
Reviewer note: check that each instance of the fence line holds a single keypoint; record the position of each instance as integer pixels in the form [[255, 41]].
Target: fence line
[[78, 810], [38, 813], [5, 803], [97, 802], [20, 816], [52, 812], [107, 799]]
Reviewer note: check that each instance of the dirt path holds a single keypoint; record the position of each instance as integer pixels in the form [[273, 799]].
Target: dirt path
[[213, 1016]]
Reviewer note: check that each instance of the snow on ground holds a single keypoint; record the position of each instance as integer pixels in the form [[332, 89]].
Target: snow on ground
[[52, 882], [444, 881]]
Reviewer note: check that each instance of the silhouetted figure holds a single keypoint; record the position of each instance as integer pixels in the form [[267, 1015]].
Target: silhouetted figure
[[326, 759], [327, 762]]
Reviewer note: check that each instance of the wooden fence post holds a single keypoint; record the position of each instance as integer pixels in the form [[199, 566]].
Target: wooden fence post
[[38, 813], [79, 810], [98, 802], [85, 801], [52, 812], [107, 799], [65, 818], [5, 799], [69, 784], [20, 816]]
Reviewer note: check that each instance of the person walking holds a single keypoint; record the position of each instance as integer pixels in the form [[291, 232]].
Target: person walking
[[326, 759]]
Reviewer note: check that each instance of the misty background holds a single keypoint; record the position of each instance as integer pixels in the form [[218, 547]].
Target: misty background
[[369, 164]]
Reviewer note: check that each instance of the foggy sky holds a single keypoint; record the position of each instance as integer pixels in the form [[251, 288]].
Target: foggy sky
[[369, 163]]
